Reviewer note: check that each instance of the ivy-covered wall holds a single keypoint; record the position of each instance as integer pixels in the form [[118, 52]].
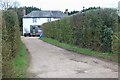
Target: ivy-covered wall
[[92, 29]]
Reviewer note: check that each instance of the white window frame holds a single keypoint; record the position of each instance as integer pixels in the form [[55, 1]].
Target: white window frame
[[34, 20], [49, 19]]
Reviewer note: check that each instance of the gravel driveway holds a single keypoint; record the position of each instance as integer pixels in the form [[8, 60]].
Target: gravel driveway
[[48, 61]]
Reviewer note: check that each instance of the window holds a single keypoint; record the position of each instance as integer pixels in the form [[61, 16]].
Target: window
[[49, 19], [34, 20]]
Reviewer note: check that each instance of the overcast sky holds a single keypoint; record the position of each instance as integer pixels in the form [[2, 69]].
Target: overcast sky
[[68, 4]]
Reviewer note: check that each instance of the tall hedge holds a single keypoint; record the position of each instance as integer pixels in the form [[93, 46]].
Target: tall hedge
[[0, 44], [92, 29], [116, 38], [10, 40]]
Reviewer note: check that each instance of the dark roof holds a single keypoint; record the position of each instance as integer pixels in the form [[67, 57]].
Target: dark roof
[[45, 14]]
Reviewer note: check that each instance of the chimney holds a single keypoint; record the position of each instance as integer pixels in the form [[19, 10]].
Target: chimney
[[24, 11], [66, 11]]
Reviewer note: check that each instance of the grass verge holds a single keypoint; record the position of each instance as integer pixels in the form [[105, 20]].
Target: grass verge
[[108, 56], [20, 62]]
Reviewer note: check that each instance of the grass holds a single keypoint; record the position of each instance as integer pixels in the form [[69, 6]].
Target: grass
[[20, 62], [108, 56]]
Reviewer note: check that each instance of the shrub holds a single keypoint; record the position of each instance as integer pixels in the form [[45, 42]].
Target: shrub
[[92, 29], [10, 40]]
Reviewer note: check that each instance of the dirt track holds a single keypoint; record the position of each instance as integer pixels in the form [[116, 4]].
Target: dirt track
[[48, 61]]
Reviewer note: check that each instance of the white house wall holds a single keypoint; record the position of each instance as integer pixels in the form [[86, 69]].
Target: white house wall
[[54, 19], [29, 21], [43, 20]]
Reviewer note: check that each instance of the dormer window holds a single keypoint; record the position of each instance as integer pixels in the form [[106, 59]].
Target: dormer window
[[34, 20]]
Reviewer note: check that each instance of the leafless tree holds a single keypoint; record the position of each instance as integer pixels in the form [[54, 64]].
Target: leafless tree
[[5, 4], [15, 4]]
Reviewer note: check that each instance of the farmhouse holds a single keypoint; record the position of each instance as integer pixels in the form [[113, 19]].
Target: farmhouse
[[32, 22]]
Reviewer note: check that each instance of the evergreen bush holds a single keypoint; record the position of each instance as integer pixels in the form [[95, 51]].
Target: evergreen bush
[[92, 29]]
